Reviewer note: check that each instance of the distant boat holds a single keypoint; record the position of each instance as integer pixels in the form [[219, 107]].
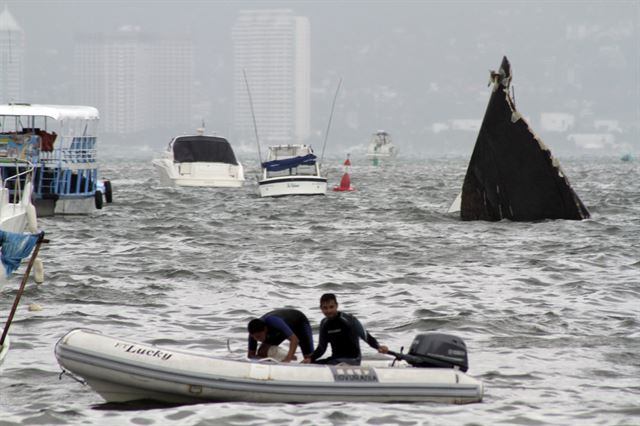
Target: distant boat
[[381, 148], [626, 157], [200, 160], [60, 141], [512, 174], [291, 170]]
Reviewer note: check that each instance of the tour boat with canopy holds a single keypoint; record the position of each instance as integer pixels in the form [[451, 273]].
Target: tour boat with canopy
[[291, 170], [200, 160], [121, 370], [60, 141]]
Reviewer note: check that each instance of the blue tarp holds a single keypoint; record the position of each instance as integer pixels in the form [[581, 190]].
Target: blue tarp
[[288, 163], [15, 247]]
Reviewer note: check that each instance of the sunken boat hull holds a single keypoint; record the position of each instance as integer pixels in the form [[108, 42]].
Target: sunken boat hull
[[512, 174]]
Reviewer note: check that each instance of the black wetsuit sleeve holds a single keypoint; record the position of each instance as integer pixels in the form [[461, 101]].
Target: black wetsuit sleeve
[[322, 342], [253, 344], [362, 333]]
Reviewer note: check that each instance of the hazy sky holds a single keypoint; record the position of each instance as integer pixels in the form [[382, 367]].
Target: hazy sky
[[405, 64]]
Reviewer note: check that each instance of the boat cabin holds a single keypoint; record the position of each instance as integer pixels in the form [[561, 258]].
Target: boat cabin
[[202, 149], [284, 160]]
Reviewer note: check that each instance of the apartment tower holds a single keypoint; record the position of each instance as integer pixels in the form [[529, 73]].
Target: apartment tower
[[12, 51], [272, 47], [138, 81]]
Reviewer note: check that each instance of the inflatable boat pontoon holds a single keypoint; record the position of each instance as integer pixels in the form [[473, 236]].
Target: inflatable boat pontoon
[[121, 371]]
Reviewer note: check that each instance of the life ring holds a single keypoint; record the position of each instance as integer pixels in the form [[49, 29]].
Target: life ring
[[108, 196], [98, 199]]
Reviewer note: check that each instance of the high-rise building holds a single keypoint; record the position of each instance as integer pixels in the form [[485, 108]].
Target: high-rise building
[[138, 81], [171, 77], [12, 48], [272, 47]]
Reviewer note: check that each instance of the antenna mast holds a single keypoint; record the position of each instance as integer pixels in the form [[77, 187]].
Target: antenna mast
[[326, 134], [255, 125]]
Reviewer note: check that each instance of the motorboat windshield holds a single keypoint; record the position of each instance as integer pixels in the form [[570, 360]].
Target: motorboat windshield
[[203, 149]]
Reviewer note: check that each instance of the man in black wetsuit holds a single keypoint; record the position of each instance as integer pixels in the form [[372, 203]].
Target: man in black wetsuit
[[274, 327], [343, 331]]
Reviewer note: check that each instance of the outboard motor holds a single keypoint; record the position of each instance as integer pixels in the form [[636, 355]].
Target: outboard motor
[[436, 350]]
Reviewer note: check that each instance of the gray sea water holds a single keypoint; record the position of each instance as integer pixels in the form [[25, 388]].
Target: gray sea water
[[550, 311]]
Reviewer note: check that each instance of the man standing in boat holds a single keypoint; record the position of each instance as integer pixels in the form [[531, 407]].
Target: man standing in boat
[[274, 327], [343, 331]]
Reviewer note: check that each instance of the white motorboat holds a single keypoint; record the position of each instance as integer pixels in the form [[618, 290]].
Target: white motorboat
[[381, 147], [18, 215], [291, 170], [200, 160], [17, 212], [121, 370], [60, 141]]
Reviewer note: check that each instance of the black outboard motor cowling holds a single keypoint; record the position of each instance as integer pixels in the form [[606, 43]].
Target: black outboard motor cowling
[[437, 350]]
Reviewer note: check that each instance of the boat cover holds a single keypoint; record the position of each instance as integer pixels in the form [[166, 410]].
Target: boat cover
[[57, 112], [121, 370], [288, 163], [203, 149], [14, 247]]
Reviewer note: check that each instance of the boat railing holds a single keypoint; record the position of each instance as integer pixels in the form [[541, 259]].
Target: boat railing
[[74, 150], [14, 192], [68, 167]]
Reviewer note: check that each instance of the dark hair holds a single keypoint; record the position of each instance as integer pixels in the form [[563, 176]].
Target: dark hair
[[256, 325], [328, 297]]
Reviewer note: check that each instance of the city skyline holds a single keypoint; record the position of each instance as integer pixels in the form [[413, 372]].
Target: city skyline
[[137, 80], [417, 70]]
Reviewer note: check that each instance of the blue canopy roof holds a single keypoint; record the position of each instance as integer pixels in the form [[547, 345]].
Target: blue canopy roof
[[288, 163]]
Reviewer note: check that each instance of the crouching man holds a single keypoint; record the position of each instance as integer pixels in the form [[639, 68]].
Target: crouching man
[[277, 326]]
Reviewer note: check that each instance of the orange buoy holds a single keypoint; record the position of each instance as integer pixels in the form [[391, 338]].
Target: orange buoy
[[345, 182]]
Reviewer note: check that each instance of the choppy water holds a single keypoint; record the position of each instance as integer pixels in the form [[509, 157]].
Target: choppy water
[[550, 311]]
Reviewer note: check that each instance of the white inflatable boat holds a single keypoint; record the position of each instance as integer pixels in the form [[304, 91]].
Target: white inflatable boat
[[121, 371]]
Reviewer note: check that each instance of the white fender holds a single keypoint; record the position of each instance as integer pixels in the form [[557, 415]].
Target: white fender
[[32, 221], [38, 271], [277, 353]]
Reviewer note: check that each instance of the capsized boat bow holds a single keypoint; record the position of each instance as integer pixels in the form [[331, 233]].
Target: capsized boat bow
[[512, 174]]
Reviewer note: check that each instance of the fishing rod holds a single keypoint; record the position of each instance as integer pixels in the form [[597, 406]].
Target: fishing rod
[[255, 125], [326, 134]]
